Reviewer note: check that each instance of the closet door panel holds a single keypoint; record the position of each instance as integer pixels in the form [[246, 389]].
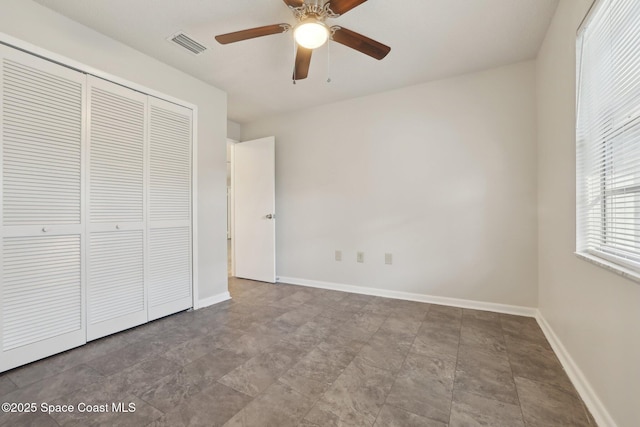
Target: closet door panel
[[116, 274], [42, 131], [169, 270], [117, 133], [42, 288], [41, 256], [169, 216], [116, 292]]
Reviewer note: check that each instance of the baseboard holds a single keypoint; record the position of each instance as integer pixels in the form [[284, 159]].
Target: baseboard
[[586, 392], [453, 302], [215, 299]]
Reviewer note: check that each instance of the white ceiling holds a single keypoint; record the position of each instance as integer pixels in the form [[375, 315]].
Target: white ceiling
[[429, 39]]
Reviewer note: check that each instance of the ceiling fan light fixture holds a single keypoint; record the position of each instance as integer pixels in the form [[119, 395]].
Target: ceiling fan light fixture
[[311, 33]]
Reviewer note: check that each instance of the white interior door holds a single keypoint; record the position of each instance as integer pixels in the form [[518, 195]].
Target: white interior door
[[254, 205], [230, 145], [116, 291], [41, 232]]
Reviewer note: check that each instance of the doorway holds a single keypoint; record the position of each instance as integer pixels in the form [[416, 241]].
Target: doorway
[[230, 145]]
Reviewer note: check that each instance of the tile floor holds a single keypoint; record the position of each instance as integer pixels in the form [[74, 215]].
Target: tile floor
[[281, 355]]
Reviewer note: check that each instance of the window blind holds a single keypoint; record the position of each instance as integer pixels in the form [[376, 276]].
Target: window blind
[[608, 133]]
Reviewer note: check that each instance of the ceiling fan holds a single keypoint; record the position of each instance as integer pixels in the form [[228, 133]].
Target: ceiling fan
[[311, 32]]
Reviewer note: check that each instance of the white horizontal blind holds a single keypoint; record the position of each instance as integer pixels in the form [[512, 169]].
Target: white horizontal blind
[[117, 149], [42, 125], [41, 295], [608, 133]]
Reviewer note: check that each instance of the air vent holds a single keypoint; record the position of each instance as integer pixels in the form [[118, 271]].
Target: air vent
[[188, 43]]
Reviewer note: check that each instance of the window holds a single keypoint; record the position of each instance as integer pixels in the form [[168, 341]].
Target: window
[[608, 133]]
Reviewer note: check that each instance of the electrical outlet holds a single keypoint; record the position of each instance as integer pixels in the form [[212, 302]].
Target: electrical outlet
[[338, 255], [388, 259], [360, 257]]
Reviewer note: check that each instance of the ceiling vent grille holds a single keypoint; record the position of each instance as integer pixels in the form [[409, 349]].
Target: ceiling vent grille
[[188, 43]]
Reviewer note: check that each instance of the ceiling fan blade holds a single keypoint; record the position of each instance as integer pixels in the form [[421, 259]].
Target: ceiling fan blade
[[303, 60], [294, 3], [252, 33], [341, 7], [359, 42]]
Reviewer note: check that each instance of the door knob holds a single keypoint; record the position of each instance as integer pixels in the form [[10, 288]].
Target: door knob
[[270, 216]]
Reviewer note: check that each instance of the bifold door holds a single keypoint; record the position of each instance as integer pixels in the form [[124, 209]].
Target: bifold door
[[169, 214], [116, 292], [95, 209], [41, 257]]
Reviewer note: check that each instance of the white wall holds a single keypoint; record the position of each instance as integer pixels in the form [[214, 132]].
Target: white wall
[[595, 313], [233, 130], [442, 175], [44, 28]]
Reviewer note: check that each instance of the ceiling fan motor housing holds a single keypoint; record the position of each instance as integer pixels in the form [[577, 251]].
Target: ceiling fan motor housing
[[314, 8]]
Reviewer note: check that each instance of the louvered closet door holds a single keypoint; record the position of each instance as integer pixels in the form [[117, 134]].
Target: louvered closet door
[[116, 294], [169, 215], [41, 254]]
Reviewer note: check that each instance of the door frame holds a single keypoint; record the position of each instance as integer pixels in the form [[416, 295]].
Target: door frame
[[231, 209]]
